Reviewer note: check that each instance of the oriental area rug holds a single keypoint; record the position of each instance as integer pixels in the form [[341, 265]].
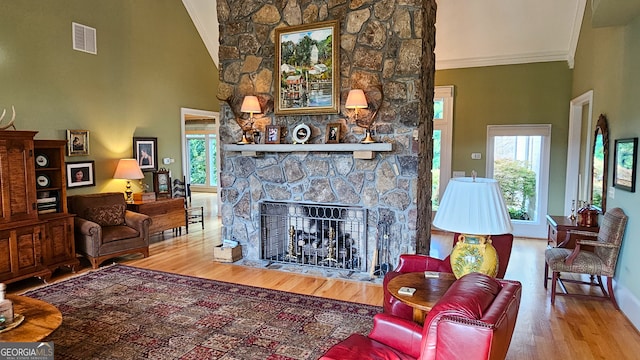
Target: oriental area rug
[[123, 312]]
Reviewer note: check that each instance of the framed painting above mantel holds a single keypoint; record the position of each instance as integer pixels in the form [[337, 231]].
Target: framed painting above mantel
[[307, 73]]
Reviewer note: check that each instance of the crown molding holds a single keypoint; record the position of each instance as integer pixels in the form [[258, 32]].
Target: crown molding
[[503, 60]]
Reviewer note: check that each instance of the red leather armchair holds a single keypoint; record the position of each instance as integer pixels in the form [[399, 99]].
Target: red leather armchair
[[417, 263], [474, 320]]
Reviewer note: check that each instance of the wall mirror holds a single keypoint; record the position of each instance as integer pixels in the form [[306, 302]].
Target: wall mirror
[[600, 164]]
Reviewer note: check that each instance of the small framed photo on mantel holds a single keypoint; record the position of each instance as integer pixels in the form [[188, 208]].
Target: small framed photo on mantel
[[333, 133], [273, 134]]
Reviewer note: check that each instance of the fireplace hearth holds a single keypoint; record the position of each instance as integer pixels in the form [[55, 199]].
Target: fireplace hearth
[[328, 236]]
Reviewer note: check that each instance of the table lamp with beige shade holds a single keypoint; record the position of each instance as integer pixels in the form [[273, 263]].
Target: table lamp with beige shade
[[250, 105], [128, 169], [475, 208], [357, 100]]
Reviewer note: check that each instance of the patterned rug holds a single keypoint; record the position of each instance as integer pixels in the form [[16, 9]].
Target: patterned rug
[[122, 312]]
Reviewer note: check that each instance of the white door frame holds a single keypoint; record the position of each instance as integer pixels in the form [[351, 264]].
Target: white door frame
[[537, 228], [573, 176], [183, 139], [446, 131]]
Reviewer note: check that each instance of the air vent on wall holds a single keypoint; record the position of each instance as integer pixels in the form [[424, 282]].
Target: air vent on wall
[[84, 38]]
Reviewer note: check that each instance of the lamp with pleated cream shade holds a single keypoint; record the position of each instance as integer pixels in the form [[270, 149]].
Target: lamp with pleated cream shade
[[475, 208], [356, 99], [128, 169], [251, 105]]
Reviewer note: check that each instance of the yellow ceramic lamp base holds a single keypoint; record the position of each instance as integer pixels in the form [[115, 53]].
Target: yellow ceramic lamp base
[[474, 253]]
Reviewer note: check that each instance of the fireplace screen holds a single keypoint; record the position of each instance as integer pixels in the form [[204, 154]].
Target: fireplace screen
[[317, 235]]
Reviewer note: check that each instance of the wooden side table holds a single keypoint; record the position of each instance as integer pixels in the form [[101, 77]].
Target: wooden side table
[[40, 320], [559, 226], [165, 213], [428, 291]]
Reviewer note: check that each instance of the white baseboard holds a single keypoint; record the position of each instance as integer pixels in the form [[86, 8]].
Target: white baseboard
[[629, 304]]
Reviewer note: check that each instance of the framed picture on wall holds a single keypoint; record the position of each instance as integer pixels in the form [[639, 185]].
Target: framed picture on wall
[[145, 150], [80, 173], [77, 142], [625, 159], [307, 69]]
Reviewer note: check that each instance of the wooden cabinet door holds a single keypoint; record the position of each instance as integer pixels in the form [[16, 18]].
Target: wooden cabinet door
[[23, 258], [17, 177], [58, 246]]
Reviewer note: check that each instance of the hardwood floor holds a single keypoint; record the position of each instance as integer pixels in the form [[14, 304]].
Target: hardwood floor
[[572, 329]]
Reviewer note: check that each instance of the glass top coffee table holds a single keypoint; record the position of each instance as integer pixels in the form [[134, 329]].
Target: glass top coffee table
[[429, 289]]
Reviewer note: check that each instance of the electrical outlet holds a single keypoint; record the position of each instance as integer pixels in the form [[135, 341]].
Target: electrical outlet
[[476, 156], [612, 192], [459, 174]]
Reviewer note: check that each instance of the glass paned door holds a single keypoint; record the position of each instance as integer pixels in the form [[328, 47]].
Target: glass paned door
[[518, 159], [202, 157], [435, 170], [442, 143]]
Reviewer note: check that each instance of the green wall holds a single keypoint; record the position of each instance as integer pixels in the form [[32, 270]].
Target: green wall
[[150, 63], [512, 94], [607, 61]]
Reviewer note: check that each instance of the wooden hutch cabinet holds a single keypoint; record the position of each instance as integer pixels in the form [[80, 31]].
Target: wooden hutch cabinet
[[58, 246], [32, 243], [20, 229]]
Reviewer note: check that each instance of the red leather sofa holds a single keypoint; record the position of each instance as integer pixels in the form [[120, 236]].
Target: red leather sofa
[[474, 320], [418, 263]]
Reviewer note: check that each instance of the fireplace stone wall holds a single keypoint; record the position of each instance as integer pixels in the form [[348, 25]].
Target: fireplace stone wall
[[381, 45]]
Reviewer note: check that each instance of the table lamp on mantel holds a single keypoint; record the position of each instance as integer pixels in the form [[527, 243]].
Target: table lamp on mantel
[[357, 100], [250, 105], [475, 208], [128, 169]]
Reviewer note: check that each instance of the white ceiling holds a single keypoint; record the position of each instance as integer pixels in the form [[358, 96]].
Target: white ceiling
[[498, 32], [471, 33]]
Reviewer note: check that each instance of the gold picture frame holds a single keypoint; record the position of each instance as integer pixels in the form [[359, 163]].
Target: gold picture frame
[[307, 69], [333, 133], [77, 142]]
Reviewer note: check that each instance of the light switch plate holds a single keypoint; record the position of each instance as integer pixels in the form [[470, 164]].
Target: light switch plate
[[612, 192]]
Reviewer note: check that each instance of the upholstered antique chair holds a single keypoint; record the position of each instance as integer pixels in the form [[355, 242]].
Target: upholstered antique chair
[[418, 263], [105, 229], [192, 214], [597, 263], [473, 320]]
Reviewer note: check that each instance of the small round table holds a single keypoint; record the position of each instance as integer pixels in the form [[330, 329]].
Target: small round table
[[428, 291], [40, 320]]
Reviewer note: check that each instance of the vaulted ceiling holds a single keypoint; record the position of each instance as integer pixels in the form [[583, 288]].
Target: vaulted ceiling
[[472, 33]]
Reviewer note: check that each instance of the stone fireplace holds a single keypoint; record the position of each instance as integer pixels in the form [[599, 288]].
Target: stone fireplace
[[380, 45]]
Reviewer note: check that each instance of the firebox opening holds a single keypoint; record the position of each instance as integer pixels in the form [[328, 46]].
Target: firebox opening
[[329, 236]]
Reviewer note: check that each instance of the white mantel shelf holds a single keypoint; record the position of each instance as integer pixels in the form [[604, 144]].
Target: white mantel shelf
[[360, 151]]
